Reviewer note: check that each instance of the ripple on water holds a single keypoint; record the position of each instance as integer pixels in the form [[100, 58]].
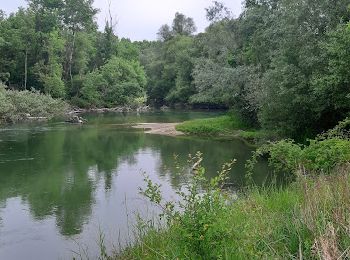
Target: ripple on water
[[16, 160]]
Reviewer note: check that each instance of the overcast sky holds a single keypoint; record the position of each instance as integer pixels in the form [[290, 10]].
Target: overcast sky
[[141, 19]]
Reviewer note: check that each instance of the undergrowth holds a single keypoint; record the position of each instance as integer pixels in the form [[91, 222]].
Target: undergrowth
[[19, 105]]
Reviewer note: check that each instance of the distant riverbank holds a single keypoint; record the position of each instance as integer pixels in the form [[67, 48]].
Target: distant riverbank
[[226, 126]]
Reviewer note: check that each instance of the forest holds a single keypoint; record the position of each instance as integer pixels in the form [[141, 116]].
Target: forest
[[280, 65]]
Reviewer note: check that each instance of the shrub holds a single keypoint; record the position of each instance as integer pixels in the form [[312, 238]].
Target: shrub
[[18, 105], [200, 205], [321, 156]]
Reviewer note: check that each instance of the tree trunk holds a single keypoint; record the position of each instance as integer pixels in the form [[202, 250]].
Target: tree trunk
[[26, 69], [71, 60]]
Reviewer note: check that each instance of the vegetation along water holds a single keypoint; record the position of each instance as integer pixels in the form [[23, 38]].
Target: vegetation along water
[[268, 172]]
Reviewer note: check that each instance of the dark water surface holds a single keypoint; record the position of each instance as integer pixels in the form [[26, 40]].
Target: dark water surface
[[61, 185]]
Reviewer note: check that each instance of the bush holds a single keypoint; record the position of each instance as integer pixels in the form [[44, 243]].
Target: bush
[[199, 206], [321, 156], [18, 105]]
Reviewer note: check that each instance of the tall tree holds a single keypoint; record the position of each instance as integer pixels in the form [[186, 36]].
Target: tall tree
[[78, 15], [218, 12], [183, 25], [18, 39], [165, 33]]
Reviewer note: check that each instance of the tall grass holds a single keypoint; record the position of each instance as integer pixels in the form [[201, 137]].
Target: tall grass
[[310, 219]]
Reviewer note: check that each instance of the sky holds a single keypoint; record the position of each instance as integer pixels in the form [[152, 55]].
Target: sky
[[141, 19]]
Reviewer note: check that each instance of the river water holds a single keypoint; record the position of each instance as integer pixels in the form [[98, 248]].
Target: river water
[[62, 185]]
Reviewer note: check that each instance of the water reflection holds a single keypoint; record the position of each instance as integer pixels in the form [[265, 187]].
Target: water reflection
[[56, 182]]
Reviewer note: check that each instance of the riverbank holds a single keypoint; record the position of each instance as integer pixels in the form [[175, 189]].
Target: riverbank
[[168, 129], [227, 126], [118, 109], [307, 220]]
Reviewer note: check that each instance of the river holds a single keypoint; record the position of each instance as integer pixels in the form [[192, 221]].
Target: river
[[63, 185]]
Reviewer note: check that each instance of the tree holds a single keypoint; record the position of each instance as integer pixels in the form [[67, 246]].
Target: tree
[[2, 15], [169, 63], [78, 15], [50, 71], [17, 46], [106, 44], [119, 82], [180, 53], [331, 84], [165, 33], [218, 12], [183, 25], [127, 50], [47, 14]]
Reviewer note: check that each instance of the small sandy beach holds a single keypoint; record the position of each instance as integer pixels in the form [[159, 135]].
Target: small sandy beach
[[159, 128]]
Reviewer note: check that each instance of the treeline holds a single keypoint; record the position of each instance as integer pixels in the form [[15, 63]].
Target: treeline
[[53, 46], [283, 65]]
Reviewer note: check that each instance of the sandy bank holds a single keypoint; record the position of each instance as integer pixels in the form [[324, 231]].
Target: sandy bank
[[159, 128]]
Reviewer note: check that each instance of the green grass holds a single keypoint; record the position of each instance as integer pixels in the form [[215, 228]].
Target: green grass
[[307, 220], [224, 126], [209, 126]]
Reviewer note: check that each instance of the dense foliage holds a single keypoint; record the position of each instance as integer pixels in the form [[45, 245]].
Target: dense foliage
[[320, 156], [119, 82], [282, 65], [24, 105], [55, 48]]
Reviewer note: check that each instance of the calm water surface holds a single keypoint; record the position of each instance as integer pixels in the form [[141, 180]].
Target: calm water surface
[[61, 185]]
